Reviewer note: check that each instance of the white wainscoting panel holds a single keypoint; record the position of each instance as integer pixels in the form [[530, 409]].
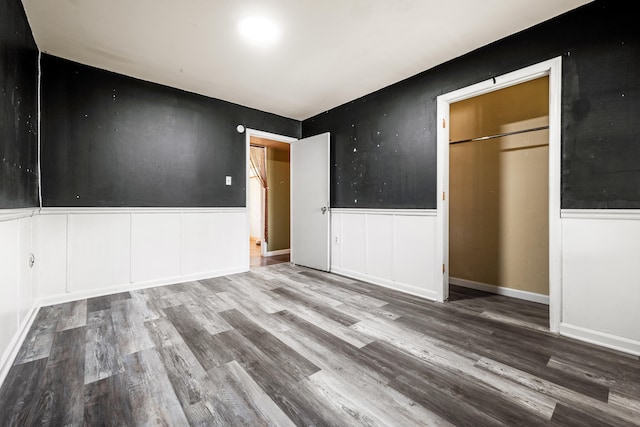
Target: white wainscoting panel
[[17, 301], [99, 254], [155, 246], [415, 253], [85, 252], [214, 242], [9, 278], [50, 246], [336, 245], [601, 277], [380, 230], [353, 239], [25, 275], [389, 247]]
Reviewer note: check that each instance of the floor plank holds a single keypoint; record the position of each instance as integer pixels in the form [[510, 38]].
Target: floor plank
[[154, 401], [101, 358], [17, 401], [284, 345], [60, 398], [107, 402], [72, 315], [39, 339]]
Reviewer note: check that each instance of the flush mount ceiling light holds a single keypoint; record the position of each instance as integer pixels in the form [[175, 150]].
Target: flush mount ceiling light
[[259, 30]]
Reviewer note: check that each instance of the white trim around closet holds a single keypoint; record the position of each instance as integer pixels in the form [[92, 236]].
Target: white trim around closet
[[553, 69]]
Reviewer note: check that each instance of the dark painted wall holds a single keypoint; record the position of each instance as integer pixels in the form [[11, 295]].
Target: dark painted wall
[[384, 144], [18, 109], [112, 140]]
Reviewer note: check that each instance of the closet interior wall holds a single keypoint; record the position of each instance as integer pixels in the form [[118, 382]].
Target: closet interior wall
[[499, 211]]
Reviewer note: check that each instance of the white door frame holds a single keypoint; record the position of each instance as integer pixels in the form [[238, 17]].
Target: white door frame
[[553, 69], [266, 135]]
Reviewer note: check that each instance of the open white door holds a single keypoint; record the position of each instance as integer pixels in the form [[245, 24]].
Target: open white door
[[310, 218]]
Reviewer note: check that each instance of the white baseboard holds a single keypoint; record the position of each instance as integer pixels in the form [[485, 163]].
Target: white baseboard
[[75, 296], [603, 339], [402, 287], [14, 346], [500, 290], [278, 252]]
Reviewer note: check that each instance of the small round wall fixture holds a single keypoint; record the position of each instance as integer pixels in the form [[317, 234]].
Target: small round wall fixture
[[240, 128]]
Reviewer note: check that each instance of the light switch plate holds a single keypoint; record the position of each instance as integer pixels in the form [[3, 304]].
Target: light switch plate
[[228, 181]]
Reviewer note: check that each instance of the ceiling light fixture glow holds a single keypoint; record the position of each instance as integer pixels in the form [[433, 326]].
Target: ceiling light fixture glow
[[259, 30]]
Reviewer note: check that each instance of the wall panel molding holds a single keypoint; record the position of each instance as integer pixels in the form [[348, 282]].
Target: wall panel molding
[[88, 251], [600, 277], [136, 210], [17, 301], [614, 214], [394, 248]]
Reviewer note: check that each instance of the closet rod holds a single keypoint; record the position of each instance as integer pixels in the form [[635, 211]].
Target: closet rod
[[515, 132]]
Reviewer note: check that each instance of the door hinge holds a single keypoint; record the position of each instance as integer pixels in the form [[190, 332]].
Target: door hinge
[[444, 196], [443, 268], [444, 123]]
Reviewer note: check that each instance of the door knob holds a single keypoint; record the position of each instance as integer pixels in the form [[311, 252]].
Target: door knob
[[323, 209]]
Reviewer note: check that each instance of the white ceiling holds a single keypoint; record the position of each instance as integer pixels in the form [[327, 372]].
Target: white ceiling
[[330, 51]]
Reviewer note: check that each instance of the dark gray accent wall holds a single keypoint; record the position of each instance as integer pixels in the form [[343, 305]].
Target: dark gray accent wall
[[18, 109], [384, 144], [111, 140]]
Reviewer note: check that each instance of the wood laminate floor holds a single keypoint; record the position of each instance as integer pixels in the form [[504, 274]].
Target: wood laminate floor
[[282, 345]]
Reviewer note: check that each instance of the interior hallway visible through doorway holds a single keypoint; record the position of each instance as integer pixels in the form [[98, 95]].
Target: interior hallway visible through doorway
[[256, 260]]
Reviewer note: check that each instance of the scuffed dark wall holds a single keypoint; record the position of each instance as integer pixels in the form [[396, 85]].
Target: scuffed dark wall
[[18, 109], [384, 144], [112, 140]]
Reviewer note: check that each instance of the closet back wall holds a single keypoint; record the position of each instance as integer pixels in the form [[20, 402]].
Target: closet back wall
[[109, 140]]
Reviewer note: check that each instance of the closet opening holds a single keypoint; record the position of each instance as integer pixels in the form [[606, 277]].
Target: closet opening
[[499, 191], [498, 220]]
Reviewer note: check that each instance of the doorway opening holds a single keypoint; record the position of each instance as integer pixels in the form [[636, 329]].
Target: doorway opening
[[500, 184], [268, 197]]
